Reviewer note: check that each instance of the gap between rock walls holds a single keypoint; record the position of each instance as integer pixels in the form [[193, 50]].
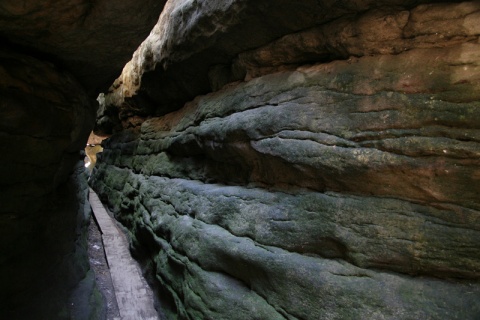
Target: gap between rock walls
[[308, 160]]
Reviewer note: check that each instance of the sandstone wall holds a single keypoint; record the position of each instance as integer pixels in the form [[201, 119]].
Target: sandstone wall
[[55, 56], [92, 39], [338, 180], [45, 117]]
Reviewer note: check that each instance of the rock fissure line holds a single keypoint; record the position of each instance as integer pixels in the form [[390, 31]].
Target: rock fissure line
[[246, 284], [375, 155], [186, 215], [282, 83], [441, 205], [190, 264]]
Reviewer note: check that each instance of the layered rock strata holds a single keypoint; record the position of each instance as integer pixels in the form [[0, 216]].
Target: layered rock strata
[[56, 56], [92, 39], [314, 189], [45, 117], [199, 46]]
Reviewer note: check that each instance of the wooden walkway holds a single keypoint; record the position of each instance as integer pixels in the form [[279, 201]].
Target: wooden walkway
[[134, 296]]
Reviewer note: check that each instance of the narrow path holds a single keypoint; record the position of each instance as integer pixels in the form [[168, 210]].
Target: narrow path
[[134, 297], [99, 265]]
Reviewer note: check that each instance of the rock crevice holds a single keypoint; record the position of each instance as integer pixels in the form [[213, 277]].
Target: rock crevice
[[161, 71], [55, 58], [332, 171]]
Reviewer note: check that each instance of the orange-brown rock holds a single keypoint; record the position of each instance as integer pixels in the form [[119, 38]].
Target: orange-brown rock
[[335, 176]]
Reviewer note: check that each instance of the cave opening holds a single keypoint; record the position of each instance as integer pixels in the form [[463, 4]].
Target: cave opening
[[93, 147]]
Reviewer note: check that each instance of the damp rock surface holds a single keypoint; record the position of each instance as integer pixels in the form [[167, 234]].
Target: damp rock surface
[[56, 57], [338, 178]]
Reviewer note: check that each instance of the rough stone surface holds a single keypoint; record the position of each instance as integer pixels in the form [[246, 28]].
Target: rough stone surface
[[45, 119], [92, 39], [339, 189], [383, 30], [56, 57], [197, 46]]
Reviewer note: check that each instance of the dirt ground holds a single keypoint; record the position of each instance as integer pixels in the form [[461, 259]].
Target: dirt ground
[[102, 273]]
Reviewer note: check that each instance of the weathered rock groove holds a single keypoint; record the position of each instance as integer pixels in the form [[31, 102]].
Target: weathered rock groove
[[326, 167]]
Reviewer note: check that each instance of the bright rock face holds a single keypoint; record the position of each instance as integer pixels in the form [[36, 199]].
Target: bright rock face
[[339, 180]]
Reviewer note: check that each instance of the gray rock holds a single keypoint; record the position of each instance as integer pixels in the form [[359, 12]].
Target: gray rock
[[92, 39], [339, 190], [329, 171]]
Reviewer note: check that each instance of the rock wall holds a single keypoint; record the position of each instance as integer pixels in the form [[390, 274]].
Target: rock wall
[[338, 180], [45, 115], [92, 39], [55, 57], [198, 46]]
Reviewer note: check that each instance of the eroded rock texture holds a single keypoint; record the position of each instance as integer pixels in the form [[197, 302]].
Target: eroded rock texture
[[45, 119], [199, 46], [55, 56], [340, 180], [92, 39]]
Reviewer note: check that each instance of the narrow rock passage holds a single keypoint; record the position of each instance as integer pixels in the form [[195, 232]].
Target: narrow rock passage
[[134, 296], [99, 265]]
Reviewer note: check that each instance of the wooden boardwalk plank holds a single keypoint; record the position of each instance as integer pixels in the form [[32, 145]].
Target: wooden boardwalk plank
[[134, 296]]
